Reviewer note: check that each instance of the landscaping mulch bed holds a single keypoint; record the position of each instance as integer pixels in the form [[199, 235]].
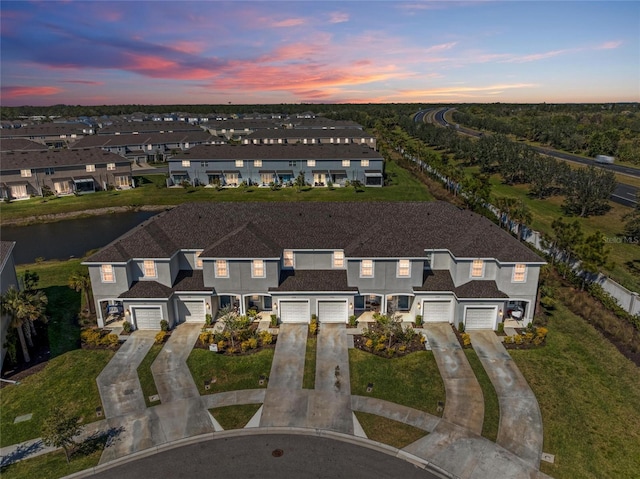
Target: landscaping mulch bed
[[411, 346], [459, 337]]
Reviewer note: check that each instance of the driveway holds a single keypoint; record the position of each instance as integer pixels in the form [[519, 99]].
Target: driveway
[[465, 403], [520, 429], [118, 382]]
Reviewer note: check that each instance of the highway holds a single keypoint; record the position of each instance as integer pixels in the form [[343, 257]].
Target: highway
[[623, 194]]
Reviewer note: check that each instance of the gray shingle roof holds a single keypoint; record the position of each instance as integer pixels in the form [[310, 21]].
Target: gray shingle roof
[[52, 158], [313, 280], [148, 290], [479, 289], [112, 141], [5, 250], [189, 280], [362, 229], [14, 144], [284, 151]]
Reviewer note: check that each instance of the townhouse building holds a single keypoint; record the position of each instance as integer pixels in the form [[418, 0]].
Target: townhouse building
[[262, 165], [311, 136], [330, 259]]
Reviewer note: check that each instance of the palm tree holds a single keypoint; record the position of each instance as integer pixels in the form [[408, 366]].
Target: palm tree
[[522, 215], [81, 282], [13, 306]]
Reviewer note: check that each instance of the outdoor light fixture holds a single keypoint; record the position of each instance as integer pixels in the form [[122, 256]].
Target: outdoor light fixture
[[500, 313], [418, 307], [208, 306], [350, 305]]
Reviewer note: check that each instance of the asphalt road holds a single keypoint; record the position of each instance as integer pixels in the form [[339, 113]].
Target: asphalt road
[[623, 194], [255, 456]]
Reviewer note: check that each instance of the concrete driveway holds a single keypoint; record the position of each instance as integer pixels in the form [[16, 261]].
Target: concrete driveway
[[118, 382], [520, 428], [465, 403]]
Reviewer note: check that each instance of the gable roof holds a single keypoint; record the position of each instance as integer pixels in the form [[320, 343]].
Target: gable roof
[[361, 229], [51, 158]]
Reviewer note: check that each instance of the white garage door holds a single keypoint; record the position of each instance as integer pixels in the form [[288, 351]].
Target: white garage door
[[332, 311], [191, 311], [294, 311], [436, 311], [147, 318], [480, 318]]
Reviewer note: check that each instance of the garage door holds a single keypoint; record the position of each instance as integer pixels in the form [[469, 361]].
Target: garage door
[[191, 311], [436, 311], [480, 318], [332, 311], [147, 318], [294, 311]]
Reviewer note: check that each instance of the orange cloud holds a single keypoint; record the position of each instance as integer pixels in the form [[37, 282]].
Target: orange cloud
[[289, 22], [158, 67], [9, 92]]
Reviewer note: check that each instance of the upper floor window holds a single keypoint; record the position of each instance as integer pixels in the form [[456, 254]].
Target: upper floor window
[[311, 162], [346, 162], [257, 163], [91, 168], [149, 268], [519, 273], [364, 162], [366, 268], [106, 273], [338, 259], [293, 162], [404, 268], [222, 268], [239, 163], [198, 259], [204, 164], [186, 163], [477, 268], [257, 268], [288, 259], [111, 166], [25, 173]]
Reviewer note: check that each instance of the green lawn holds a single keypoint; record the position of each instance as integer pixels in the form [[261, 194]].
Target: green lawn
[[589, 396], [68, 380], [231, 372], [413, 380], [51, 466], [146, 377], [403, 187], [491, 405], [309, 378], [234, 417], [388, 431]]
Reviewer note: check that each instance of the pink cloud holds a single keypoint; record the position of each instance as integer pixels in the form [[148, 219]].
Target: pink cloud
[[84, 82], [338, 17], [289, 22], [158, 67], [537, 56], [9, 92], [609, 45]]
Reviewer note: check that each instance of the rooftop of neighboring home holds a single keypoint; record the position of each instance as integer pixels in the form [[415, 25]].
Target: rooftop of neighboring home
[[5, 252], [16, 160], [127, 127], [285, 151], [361, 229], [240, 124], [18, 144], [113, 141], [322, 123], [308, 132], [49, 129]]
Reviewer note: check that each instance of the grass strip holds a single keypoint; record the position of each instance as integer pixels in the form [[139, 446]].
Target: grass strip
[[412, 380], [388, 431], [234, 417], [230, 372], [309, 378], [491, 404], [146, 377]]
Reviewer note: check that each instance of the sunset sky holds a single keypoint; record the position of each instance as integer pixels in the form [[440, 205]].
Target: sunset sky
[[174, 52]]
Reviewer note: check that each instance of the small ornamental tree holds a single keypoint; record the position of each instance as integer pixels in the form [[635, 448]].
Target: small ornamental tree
[[59, 429]]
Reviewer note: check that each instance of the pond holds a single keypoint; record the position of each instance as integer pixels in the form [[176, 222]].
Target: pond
[[69, 238]]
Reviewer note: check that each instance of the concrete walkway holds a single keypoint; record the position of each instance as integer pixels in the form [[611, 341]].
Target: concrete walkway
[[118, 382], [465, 403], [520, 428]]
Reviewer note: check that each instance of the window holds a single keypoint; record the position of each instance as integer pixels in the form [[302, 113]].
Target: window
[[364, 162], [257, 268], [366, 268], [121, 181], [49, 171], [404, 268], [231, 179], [186, 163], [149, 268], [266, 178], [222, 268], [257, 163], [204, 164], [25, 173], [198, 260], [111, 166], [91, 168], [311, 162], [519, 273], [477, 269], [106, 273], [293, 163], [239, 163], [338, 259], [288, 259], [346, 162]]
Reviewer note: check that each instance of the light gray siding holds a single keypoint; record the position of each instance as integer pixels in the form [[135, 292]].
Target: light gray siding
[[313, 259], [240, 280]]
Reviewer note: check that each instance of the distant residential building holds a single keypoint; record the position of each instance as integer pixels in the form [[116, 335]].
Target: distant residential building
[[55, 135], [139, 127], [322, 164], [340, 136]]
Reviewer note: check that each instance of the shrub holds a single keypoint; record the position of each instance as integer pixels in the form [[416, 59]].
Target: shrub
[[418, 320], [110, 340], [208, 320], [466, 340], [500, 328], [126, 326], [402, 348], [266, 337], [517, 339], [205, 337], [313, 327], [390, 352], [274, 320], [541, 332], [380, 346], [161, 336], [353, 321], [461, 327], [368, 344], [164, 325], [314, 317], [244, 345], [253, 342], [90, 337], [221, 345]]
